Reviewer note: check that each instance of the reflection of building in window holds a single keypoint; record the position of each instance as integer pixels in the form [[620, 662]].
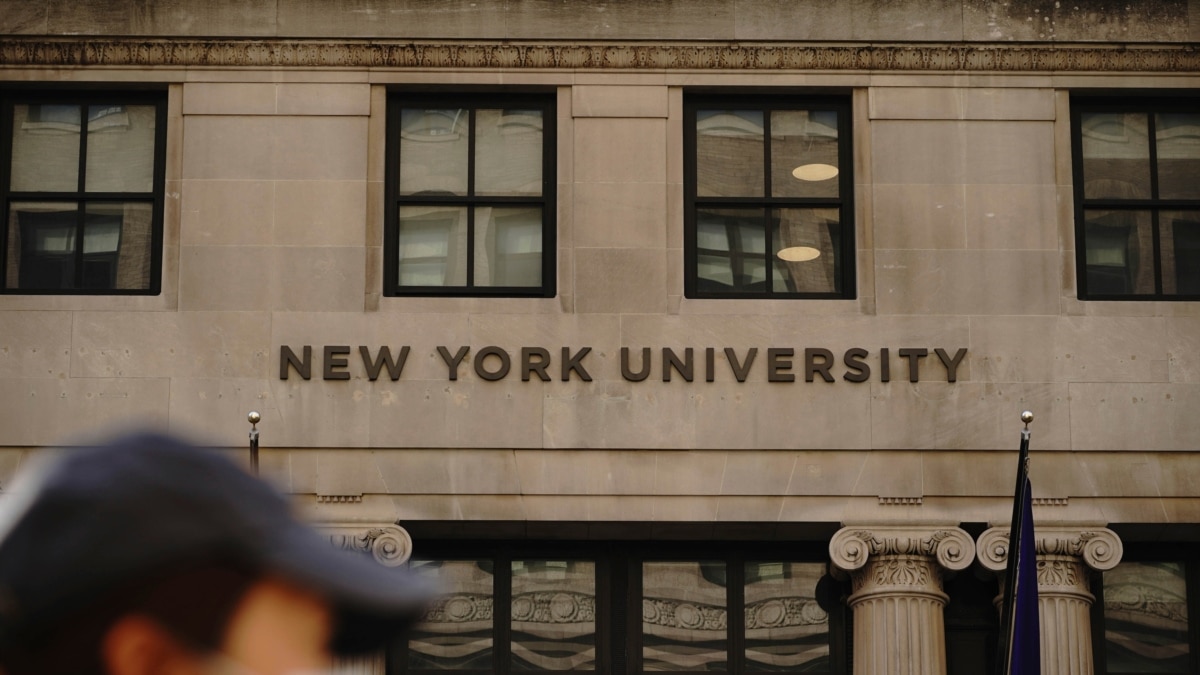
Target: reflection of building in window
[[1145, 618], [768, 191], [470, 196], [83, 201], [1137, 186]]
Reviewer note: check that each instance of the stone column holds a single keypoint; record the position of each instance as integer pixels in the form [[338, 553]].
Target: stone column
[[1064, 595], [897, 599], [390, 545]]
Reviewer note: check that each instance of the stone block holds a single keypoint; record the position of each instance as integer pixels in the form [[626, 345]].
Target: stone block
[[229, 98], [969, 415], [319, 148], [1183, 349], [967, 282], [594, 472], [327, 278], [379, 18], [1069, 349], [320, 213], [323, 98], [170, 344], [684, 509], [618, 101], [620, 150], [226, 277], [689, 473], [757, 473], [620, 280], [619, 215], [348, 472], [1009, 103], [744, 416], [708, 19], [825, 472], [19, 17], [227, 212], [35, 344], [471, 413], [1011, 216], [982, 473], [918, 216], [552, 332], [1009, 152], [1047, 20], [1134, 416], [749, 509], [228, 147], [56, 410], [916, 103], [618, 414]]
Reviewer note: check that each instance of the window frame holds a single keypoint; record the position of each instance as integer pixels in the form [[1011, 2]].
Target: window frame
[[618, 566], [155, 198], [1126, 102], [846, 264], [473, 101]]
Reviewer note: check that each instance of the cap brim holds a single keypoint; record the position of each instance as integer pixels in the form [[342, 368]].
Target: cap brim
[[373, 603]]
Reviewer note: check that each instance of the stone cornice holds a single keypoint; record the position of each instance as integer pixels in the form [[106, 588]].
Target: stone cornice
[[850, 547], [552, 55], [1100, 548]]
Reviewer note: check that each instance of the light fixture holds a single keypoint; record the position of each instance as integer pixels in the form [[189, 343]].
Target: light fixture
[[798, 253], [815, 172]]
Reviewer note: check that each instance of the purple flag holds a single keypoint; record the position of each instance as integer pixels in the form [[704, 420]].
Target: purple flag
[[1026, 656]]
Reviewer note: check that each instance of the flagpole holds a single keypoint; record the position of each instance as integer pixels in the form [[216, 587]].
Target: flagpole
[[1004, 644], [253, 418]]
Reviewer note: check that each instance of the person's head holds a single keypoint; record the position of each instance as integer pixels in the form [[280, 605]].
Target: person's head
[[147, 555]]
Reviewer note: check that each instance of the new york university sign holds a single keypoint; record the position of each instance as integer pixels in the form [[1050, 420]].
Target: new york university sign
[[773, 364]]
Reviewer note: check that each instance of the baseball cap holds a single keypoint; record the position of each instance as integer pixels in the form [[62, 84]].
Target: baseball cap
[[94, 518]]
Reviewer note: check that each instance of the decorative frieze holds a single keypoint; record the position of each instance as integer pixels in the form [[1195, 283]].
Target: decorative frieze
[[390, 545], [548, 55]]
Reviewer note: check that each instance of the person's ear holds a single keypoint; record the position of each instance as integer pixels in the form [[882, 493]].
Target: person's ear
[[136, 645]]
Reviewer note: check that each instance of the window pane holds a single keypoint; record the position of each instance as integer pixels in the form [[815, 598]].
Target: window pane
[[508, 246], [432, 246], [804, 153], [1119, 253], [729, 153], [786, 630], [553, 615], [1116, 156], [508, 152], [1178, 137], [731, 250], [120, 148], [807, 250], [456, 632], [1145, 618], [41, 245], [1179, 236], [433, 151], [118, 241], [684, 616], [45, 150]]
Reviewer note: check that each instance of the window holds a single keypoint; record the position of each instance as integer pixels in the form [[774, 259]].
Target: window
[[1142, 613], [82, 192], [769, 198], [470, 195], [625, 608], [1137, 199]]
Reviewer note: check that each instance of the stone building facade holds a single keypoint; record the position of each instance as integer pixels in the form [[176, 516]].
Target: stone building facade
[[719, 313]]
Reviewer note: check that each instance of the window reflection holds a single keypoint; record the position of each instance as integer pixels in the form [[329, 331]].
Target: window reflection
[[786, 629], [553, 615], [456, 632], [684, 616], [1145, 618]]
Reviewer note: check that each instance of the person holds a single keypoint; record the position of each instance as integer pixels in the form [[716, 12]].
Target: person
[[147, 555]]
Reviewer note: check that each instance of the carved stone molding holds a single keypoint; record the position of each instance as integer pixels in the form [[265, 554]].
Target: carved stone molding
[[390, 545], [1100, 548], [552, 55], [852, 546]]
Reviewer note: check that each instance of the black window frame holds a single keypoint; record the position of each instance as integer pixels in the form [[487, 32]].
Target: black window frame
[[618, 582], [472, 101], [846, 264], [1126, 102], [156, 197], [1189, 555]]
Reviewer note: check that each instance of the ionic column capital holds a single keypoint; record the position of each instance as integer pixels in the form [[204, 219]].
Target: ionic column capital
[[851, 547], [1098, 547], [389, 544]]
